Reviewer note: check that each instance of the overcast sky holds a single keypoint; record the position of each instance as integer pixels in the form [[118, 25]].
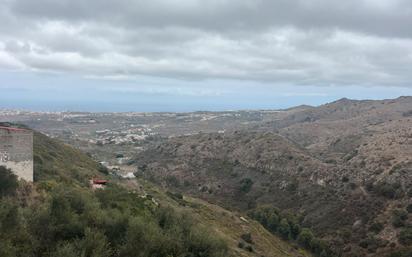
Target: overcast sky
[[196, 54]]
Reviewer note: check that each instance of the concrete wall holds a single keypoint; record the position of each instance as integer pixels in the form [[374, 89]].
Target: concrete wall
[[16, 151]]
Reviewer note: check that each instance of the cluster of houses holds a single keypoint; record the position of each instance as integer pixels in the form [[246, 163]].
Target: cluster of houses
[[130, 135]]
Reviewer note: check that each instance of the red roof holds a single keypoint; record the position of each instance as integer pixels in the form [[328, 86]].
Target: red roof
[[14, 129], [100, 181]]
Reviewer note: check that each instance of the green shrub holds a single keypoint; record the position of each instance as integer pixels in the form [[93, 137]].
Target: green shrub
[[8, 182], [284, 229], [405, 236], [401, 253], [272, 222], [398, 218], [376, 227], [388, 190], [409, 208], [288, 227], [245, 185], [305, 238], [73, 221]]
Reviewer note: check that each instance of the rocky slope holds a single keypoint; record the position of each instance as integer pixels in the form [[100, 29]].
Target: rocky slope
[[345, 166]]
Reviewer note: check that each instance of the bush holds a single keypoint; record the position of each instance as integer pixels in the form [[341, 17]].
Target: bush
[[405, 236], [245, 185], [399, 217], [409, 208], [284, 229], [73, 221], [401, 253], [305, 238], [8, 182], [388, 190], [272, 222], [376, 227], [288, 226]]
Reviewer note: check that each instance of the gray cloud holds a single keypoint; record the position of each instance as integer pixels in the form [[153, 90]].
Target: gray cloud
[[304, 42]]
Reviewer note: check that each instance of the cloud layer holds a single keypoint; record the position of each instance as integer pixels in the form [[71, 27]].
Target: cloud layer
[[299, 42]]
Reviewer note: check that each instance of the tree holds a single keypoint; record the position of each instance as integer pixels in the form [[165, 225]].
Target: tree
[[284, 229], [94, 244], [405, 236], [8, 182], [246, 185], [273, 222], [305, 238]]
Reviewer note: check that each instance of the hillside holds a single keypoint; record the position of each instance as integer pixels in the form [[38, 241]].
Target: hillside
[[231, 226], [54, 160], [344, 166], [59, 215]]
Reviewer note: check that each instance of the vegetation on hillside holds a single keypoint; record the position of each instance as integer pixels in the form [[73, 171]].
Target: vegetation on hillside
[[289, 227], [75, 221], [54, 160], [59, 215]]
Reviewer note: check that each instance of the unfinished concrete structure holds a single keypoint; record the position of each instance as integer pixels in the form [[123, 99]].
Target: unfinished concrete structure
[[16, 151]]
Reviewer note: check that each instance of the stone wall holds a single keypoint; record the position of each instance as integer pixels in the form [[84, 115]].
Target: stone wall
[[16, 151]]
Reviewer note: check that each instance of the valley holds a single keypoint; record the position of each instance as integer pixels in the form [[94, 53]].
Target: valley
[[343, 170]]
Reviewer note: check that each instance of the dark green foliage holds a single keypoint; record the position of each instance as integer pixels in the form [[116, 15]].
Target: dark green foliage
[[268, 217], [245, 185], [305, 238], [391, 191], [9, 216], [405, 236], [8, 182], [288, 226], [284, 229], [74, 221], [293, 186], [172, 181], [295, 229], [376, 227], [409, 208], [372, 243], [401, 253], [399, 217]]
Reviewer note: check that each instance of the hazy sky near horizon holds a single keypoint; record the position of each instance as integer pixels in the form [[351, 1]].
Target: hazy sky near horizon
[[183, 55]]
